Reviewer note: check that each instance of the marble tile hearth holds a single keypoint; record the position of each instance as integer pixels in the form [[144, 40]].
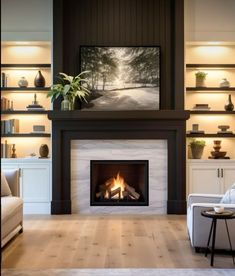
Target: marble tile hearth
[[82, 151]]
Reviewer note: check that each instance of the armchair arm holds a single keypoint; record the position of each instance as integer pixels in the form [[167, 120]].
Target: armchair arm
[[203, 198], [12, 176]]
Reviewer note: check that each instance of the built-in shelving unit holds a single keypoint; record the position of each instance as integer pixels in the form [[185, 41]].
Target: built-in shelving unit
[[218, 62], [25, 60]]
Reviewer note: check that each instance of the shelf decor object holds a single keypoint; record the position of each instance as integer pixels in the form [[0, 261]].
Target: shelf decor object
[[44, 151], [224, 83], [200, 79], [72, 88], [197, 147], [229, 106], [23, 82], [217, 154], [35, 104], [39, 80]]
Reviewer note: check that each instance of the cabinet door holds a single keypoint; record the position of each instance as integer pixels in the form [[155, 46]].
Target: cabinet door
[[35, 183], [228, 176], [204, 180]]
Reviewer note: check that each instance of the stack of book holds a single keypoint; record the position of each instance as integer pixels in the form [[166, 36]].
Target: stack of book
[[32, 107], [201, 107], [10, 126], [6, 150], [6, 104]]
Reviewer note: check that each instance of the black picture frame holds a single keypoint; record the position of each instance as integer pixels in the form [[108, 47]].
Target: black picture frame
[[141, 95]]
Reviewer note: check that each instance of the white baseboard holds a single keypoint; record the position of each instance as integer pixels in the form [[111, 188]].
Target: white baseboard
[[37, 208]]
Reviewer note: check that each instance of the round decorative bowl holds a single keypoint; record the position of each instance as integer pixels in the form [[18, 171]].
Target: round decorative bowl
[[218, 154], [223, 127]]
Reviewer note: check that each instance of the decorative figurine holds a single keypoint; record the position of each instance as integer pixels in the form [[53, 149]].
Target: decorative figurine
[[39, 80], [13, 155]]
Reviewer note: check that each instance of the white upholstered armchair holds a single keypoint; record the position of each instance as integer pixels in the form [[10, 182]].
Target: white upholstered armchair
[[199, 226]]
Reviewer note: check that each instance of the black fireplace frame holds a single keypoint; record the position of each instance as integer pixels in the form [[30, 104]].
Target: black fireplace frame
[[129, 125], [122, 203]]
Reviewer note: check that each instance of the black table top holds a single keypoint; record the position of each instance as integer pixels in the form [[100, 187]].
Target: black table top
[[227, 214]]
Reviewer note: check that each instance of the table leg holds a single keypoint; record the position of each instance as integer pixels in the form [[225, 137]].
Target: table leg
[[229, 240], [213, 242], [209, 238]]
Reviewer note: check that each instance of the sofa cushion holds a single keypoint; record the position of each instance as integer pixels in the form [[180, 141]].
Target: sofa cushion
[[10, 205], [229, 196], [5, 189]]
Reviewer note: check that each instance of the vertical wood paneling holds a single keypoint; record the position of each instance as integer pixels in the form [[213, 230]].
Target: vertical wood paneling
[[128, 23]]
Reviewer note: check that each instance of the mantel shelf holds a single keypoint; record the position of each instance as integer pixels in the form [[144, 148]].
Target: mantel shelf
[[56, 115]]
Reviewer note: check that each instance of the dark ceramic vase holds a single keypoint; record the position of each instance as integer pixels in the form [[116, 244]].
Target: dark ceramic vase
[[39, 80], [44, 151], [229, 106]]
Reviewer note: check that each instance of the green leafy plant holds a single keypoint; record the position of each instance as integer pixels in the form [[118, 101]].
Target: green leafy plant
[[70, 87], [200, 75], [195, 142]]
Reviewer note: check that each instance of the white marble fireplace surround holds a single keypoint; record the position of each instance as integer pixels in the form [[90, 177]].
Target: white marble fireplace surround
[[82, 151]]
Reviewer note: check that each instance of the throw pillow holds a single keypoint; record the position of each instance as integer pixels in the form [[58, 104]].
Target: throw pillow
[[229, 196], [5, 189]]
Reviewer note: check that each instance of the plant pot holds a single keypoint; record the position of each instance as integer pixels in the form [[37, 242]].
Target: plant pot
[[200, 82], [197, 151]]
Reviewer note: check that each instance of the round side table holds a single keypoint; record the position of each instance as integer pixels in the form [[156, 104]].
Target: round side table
[[214, 216]]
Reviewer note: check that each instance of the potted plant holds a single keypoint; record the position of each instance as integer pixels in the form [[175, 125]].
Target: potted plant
[[197, 147], [200, 79], [70, 88]]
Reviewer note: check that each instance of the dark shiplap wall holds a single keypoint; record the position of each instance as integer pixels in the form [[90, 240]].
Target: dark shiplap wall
[[123, 23]]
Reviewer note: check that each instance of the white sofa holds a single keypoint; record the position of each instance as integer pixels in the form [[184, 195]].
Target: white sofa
[[199, 226], [11, 209]]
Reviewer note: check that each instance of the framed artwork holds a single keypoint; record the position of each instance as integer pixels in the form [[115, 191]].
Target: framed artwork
[[122, 78]]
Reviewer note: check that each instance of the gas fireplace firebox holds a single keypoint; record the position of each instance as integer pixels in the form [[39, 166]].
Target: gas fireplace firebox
[[119, 182]]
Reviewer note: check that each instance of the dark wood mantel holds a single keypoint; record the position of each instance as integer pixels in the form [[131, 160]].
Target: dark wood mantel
[[75, 125]]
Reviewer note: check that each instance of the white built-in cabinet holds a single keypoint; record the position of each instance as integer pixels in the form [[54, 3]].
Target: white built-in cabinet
[[210, 176], [35, 183]]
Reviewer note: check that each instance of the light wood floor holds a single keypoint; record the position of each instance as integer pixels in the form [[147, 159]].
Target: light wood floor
[[74, 241]]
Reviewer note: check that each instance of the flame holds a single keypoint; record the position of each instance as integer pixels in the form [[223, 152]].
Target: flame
[[117, 182]]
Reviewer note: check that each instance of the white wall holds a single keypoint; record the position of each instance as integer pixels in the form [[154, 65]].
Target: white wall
[[26, 20], [210, 20]]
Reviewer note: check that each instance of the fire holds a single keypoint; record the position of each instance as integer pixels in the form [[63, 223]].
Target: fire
[[115, 183]]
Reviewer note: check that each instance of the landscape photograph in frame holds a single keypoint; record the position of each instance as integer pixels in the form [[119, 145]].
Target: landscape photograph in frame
[[121, 78]]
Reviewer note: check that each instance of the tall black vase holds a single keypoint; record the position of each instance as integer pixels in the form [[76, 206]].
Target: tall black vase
[[39, 80], [229, 106]]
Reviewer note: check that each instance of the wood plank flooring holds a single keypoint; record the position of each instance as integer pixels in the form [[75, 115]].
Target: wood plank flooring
[[73, 241]]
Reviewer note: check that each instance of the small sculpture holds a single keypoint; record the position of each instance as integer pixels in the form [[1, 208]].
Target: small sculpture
[[13, 155], [39, 80]]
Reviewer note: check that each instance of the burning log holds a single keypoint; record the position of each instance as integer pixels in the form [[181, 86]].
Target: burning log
[[114, 192], [132, 191], [100, 194]]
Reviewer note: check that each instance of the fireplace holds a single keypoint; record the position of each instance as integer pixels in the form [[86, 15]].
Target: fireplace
[[119, 183]]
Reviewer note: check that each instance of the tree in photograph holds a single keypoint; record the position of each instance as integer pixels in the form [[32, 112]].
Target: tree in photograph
[[143, 65], [102, 64]]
